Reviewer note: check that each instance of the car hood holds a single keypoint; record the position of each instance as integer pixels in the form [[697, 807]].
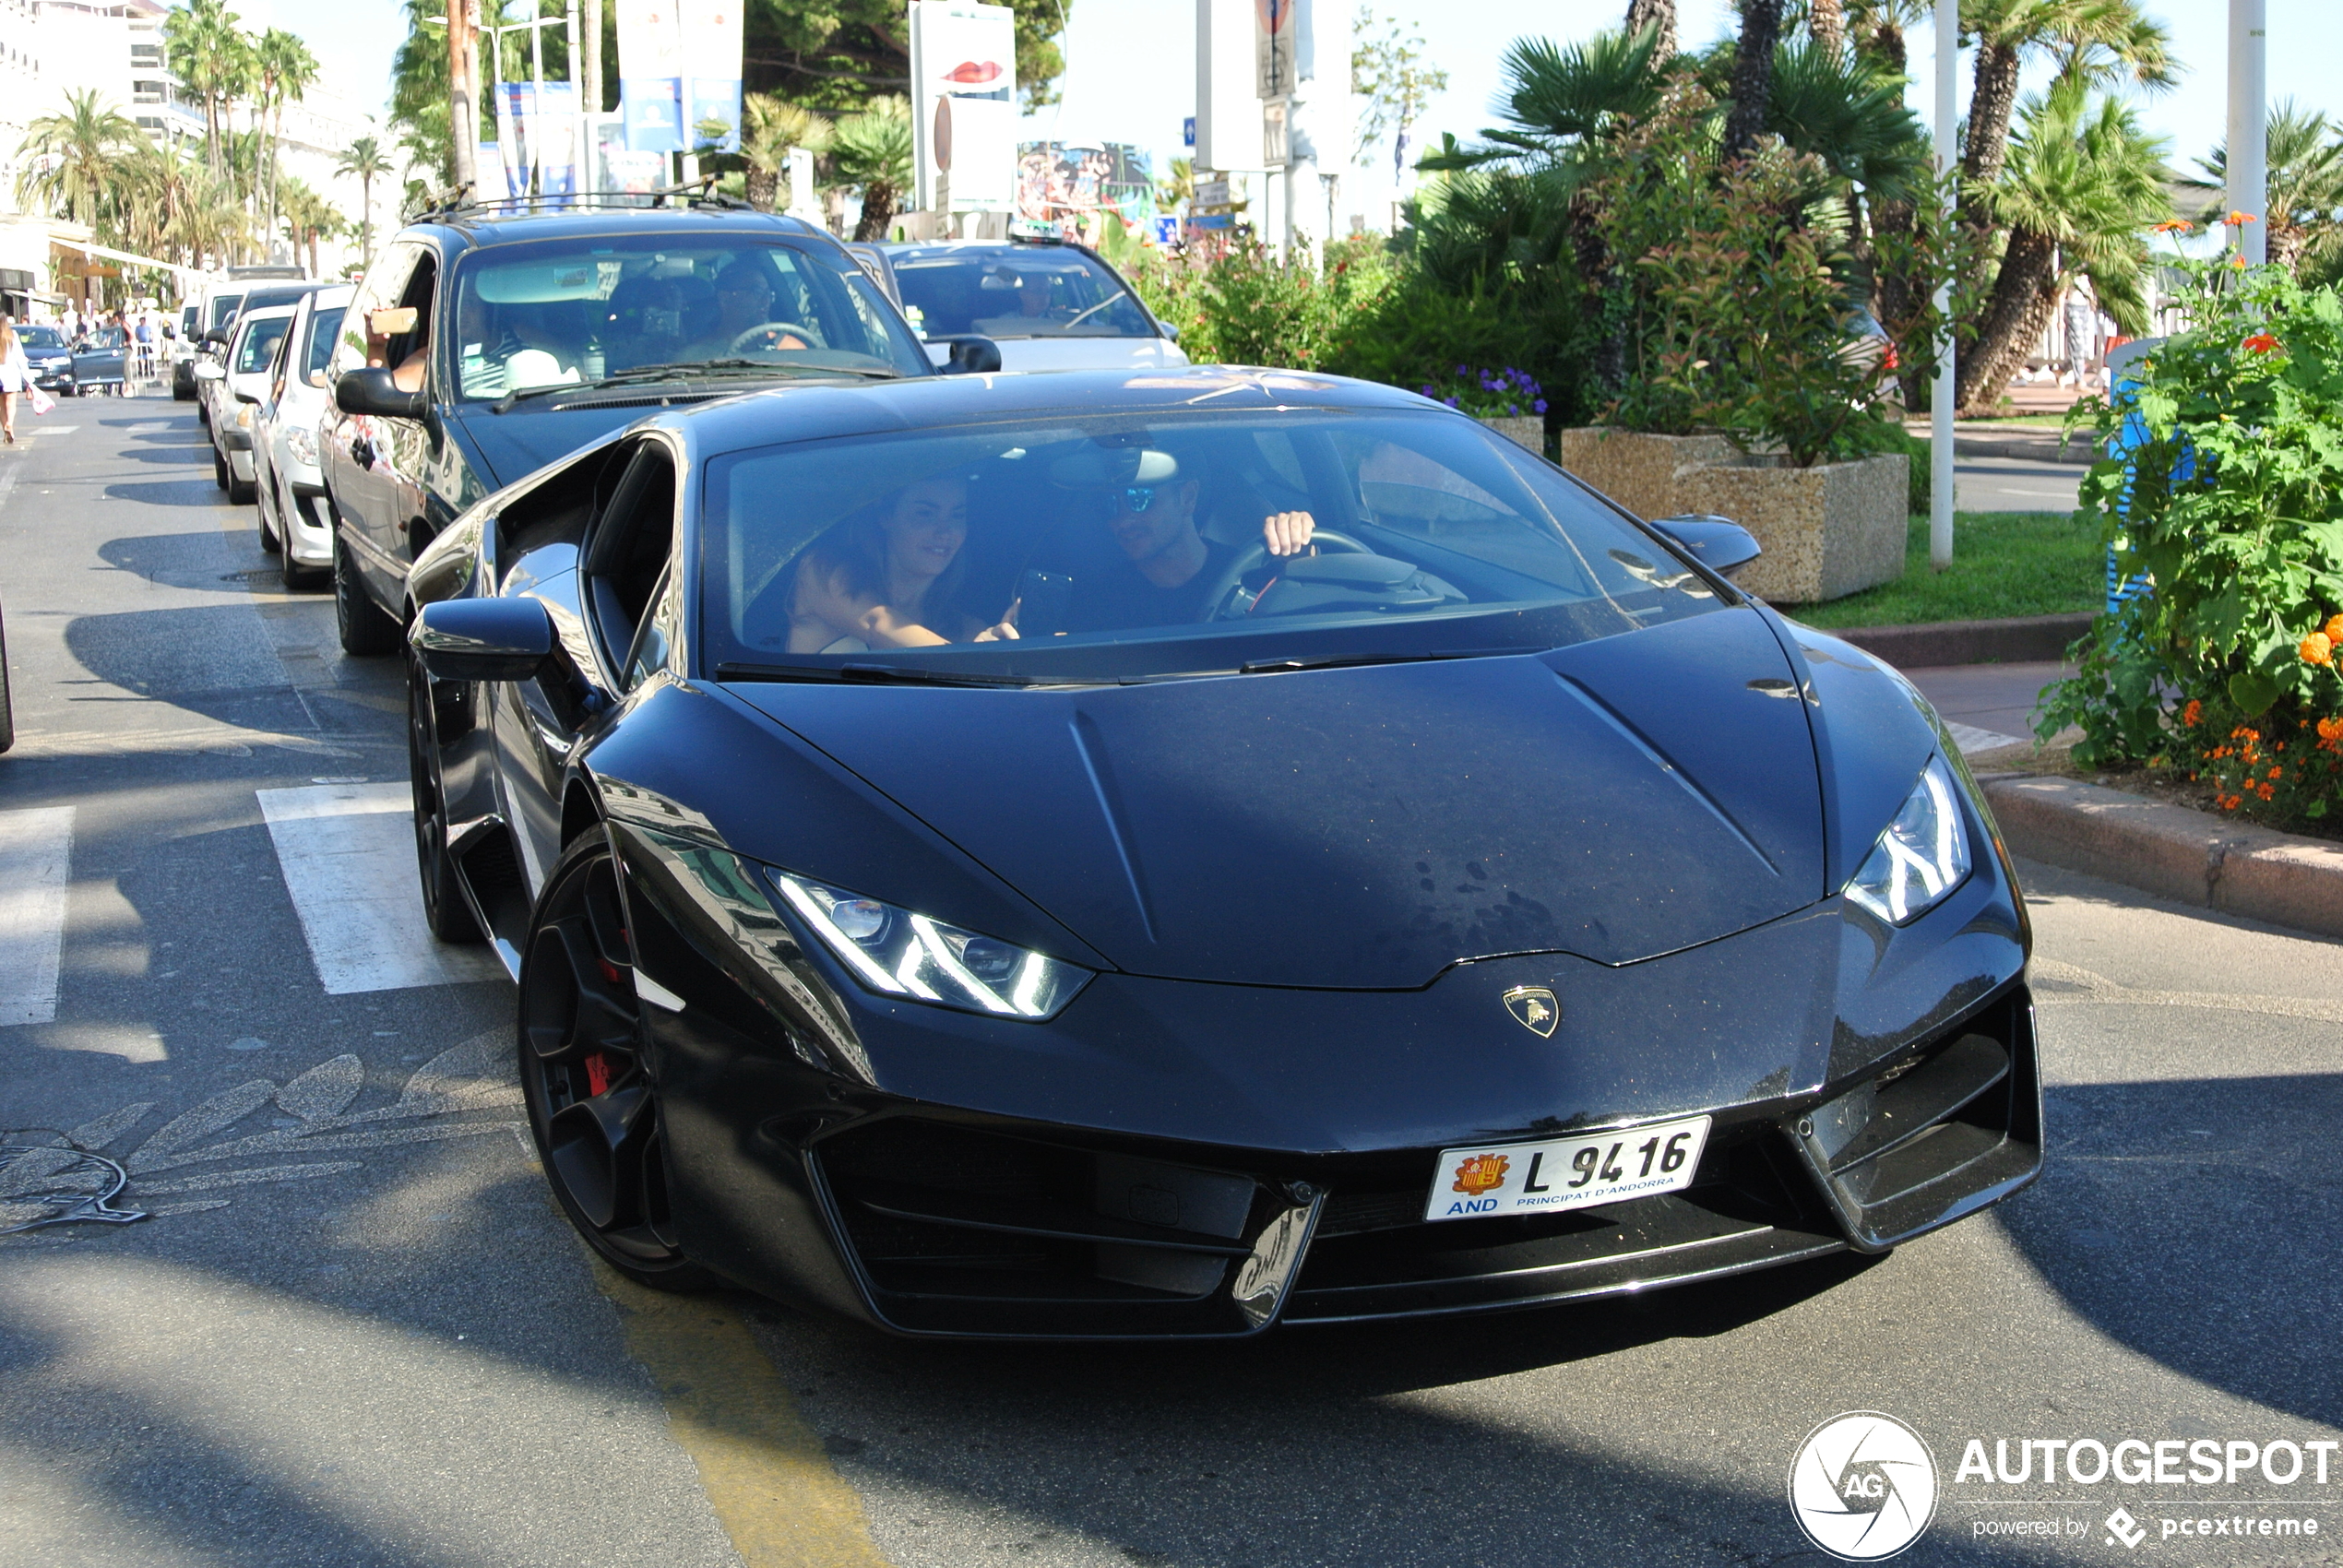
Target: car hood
[[1365, 828], [510, 446]]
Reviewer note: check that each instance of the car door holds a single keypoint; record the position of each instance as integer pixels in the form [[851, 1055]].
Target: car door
[[356, 453], [599, 606]]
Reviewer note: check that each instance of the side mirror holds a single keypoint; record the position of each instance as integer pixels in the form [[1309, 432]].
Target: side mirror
[[216, 337], [372, 391], [207, 370], [1718, 543], [1169, 330], [971, 355], [483, 639]]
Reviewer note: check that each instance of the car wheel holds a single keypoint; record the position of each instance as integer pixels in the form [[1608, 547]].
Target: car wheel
[[219, 468], [239, 492], [365, 629], [271, 541], [592, 1105], [7, 712], [445, 911]]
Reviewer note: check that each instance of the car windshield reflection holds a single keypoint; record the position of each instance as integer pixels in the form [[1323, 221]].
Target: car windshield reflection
[[1116, 548]]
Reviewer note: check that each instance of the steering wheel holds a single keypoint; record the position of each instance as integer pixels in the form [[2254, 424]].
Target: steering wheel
[[1253, 560], [808, 337]]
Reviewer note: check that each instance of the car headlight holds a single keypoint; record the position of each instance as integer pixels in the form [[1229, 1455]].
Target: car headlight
[[243, 416], [900, 954], [1922, 855], [302, 442]]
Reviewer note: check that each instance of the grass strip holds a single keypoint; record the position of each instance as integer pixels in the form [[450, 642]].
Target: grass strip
[[2004, 563]]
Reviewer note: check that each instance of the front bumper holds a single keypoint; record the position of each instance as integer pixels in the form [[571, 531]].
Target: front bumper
[[307, 539]]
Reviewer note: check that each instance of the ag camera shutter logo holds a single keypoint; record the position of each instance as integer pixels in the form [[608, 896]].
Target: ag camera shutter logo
[[1863, 1486]]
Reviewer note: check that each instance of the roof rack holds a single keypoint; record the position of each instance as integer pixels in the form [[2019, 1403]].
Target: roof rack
[[458, 203]]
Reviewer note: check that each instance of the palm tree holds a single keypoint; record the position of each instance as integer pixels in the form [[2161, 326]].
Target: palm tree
[[365, 163], [768, 129], [2305, 185], [872, 150], [68, 160], [308, 219], [2097, 40], [2082, 184], [1753, 75], [204, 48], [287, 71]]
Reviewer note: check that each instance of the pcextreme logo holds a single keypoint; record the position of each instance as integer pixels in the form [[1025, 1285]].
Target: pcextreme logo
[[1863, 1486]]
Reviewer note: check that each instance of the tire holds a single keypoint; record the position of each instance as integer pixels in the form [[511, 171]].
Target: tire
[[220, 475], [299, 578], [7, 709], [445, 911], [239, 493], [593, 1107], [270, 543], [366, 630]]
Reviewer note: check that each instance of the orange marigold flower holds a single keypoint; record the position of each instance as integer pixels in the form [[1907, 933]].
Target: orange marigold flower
[[2263, 791], [2318, 648], [2195, 710], [2331, 728], [2334, 629], [2278, 773], [2237, 262], [2229, 802], [2237, 218], [2174, 226], [2262, 343]]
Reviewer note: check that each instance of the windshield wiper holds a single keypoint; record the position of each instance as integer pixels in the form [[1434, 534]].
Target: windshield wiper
[[685, 371], [1349, 661], [875, 674]]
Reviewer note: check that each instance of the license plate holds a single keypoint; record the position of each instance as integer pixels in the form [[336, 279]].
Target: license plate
[[1582, 1172]]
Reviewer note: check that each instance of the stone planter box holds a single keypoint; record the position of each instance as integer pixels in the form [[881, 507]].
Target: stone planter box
[[1527, 430], [1828, 531]]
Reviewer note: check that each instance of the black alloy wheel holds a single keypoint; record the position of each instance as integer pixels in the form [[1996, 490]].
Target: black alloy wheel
[[449, 916], [592, 1103], [364, 629]]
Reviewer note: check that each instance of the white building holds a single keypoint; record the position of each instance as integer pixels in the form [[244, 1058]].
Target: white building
[[52, 48]]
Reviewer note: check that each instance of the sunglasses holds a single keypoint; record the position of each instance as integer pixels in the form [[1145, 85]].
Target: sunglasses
[[1139, 497]]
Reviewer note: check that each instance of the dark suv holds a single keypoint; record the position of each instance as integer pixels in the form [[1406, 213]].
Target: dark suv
[[484, 343]]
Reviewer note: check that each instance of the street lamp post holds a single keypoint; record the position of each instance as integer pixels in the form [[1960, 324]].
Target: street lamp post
[[1940, 408], [463, 89], [2249, 135]]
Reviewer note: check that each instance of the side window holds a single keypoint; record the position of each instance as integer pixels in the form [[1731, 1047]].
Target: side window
[[385, 282], [628, 551]]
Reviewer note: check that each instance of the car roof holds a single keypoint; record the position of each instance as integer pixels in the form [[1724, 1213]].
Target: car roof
[[472, 228], [828, 410], [265, 313]]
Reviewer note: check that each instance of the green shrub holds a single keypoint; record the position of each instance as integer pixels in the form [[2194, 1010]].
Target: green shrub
[[2229, 507]]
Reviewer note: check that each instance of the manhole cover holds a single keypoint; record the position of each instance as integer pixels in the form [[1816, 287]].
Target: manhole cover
[[251, 574]]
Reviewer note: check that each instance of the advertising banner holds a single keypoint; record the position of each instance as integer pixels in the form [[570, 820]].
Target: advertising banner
[[1064, 183], [710, 32], [536, 135], [964, 105], [650, 76]]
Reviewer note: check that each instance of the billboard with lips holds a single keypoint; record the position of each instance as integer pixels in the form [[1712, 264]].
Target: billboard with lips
[[964, 105]]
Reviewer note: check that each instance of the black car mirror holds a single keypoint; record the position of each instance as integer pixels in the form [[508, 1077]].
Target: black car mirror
[[372, 391], [483, 639], [216, 337], [1718, 543], [971, 354]]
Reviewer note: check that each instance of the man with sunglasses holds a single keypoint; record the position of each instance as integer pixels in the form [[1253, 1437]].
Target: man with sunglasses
[[1167, 567]]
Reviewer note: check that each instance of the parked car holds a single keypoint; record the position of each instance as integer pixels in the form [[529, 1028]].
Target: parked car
[[289, 486], [49, 357], [224, 299], [485, 342], [101, 362], [1051, 305], [1383, 880], [232, 390]]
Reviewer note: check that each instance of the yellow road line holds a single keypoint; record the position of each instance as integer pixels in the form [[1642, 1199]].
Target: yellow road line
[[764, 1470]]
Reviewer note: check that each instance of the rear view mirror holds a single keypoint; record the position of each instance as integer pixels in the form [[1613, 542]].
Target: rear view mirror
[[483, 639], [971, 354], [396, 322], [1718, 543], [216, 337]]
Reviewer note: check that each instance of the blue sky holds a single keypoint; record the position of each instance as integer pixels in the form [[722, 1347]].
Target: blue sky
[[1132, 77]]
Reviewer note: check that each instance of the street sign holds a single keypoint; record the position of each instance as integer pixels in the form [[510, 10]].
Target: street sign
[[1187, 131], [1166, 229], [1274, 141], [1210, 194], [1273, 51]]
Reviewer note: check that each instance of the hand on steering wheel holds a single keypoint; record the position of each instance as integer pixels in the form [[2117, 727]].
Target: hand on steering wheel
[[806, 337], [1297, 532]]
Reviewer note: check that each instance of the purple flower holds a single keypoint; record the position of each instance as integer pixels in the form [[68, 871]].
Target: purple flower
[[1451, 403], [1538, 407]]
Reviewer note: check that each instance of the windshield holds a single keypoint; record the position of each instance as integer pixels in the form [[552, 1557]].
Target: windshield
[[323, 326], [223, 309], [559, 313], [259, 344], [1015, 291], [40, 338], [1122, 547]]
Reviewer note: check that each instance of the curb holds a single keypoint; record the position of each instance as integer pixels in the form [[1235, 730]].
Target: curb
[[2078, 453], [2023, 640], [2175, 852]]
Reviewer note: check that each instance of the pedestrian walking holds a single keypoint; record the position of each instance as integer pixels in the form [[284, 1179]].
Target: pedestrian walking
[[16, 378]]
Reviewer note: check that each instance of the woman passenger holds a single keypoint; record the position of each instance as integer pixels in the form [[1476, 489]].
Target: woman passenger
[[885, 578]]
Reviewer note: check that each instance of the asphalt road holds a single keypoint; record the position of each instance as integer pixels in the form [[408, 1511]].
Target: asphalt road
[[2016, 484], [353, 1332]]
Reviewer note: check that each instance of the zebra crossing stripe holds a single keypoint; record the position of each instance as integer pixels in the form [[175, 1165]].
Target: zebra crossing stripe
[[36, 863], [348, 855]]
